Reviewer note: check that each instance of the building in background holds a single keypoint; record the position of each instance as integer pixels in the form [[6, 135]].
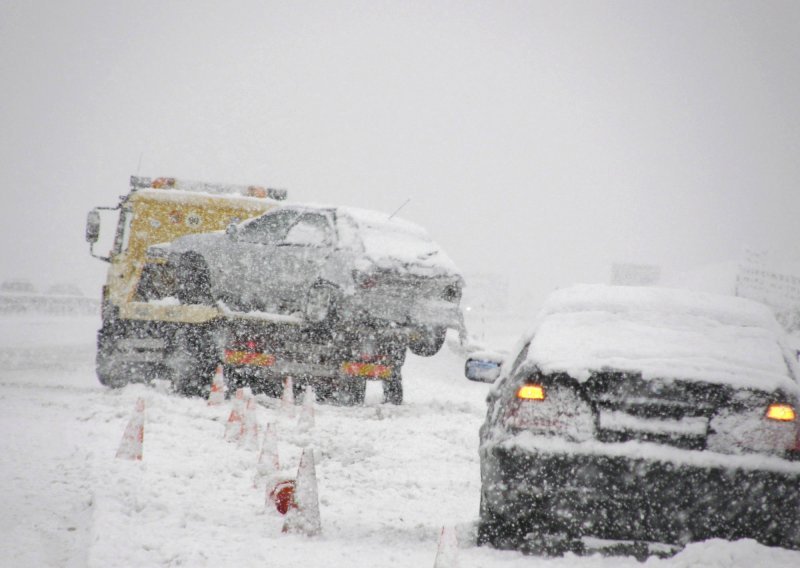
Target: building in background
[[630, 274], [773, 280]]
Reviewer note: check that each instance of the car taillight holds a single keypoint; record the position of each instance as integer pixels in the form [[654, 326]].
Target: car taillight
[[550, 410], [770, 431], [781, 412], [531, 392]]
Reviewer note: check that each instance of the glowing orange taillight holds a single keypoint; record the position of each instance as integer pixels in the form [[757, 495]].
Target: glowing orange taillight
[[781, 412], [531, 392]]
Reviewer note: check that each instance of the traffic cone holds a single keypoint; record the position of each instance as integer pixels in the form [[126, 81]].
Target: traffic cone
[[217, 394], [248, 438], [269, 463], [130, 447], [288, 396], [447, 553], [233, 428], [306, 421], [305, 519]]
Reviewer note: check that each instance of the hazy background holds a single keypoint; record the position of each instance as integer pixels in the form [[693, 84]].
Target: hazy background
[[546, 139]]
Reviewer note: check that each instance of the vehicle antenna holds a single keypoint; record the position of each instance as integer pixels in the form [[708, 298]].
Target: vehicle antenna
[[139, 166], [399, 208]]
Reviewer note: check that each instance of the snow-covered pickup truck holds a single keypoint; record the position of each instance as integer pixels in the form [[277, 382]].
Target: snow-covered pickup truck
[[332, 267]]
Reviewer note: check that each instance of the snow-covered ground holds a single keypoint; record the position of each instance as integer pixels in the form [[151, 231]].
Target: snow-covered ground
[[389, 477]]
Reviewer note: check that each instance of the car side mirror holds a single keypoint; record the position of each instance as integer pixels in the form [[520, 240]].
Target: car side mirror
[[232, 231], [93, 226], [483, 367]]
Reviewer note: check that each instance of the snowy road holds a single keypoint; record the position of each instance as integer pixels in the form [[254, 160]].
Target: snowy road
[[389, 477]]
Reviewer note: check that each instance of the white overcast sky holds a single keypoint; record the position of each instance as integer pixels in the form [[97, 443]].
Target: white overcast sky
[[542, 139]]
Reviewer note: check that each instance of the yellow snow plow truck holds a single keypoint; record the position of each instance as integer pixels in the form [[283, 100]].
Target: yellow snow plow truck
[[141, 339], [155, 325]]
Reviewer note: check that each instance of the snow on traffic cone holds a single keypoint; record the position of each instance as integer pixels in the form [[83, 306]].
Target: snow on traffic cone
[[248, 438], [447, 553], [130, 447], [306, 421], [288, 396], [217, 394], [304, 518], [269, 464], [233, 428]]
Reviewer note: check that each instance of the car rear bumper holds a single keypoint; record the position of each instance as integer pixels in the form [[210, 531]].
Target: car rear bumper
[[636, 498]]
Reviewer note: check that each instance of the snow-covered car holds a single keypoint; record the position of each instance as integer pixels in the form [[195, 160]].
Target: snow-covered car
[[641, 419], [329, 265]]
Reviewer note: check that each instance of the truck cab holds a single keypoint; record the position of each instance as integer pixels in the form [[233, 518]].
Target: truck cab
[[141, 339]]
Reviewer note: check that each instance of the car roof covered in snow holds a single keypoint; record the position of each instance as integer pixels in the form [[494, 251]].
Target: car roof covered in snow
[[389, 241], [661, 333], [385, 241]]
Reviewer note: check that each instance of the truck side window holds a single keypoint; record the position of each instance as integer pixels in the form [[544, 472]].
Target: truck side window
[[310, 230], [269, 228], [123, 234]]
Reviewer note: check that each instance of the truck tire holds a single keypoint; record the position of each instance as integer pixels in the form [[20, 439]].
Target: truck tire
[[350, 392], [320, 305], [427, 341], [272, 387], [192, 361], [393, 387], [193, 280], [107, 372], [393, 390]]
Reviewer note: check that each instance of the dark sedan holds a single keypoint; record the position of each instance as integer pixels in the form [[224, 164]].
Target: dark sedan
[[639, 420]]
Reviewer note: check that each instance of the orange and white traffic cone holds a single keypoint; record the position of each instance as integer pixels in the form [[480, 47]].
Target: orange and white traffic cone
[[248, 438], [305, 518], [233, 428], [306, 421], [217, 394], [269, 464], [130, 447], [447, 553], [288, 396]]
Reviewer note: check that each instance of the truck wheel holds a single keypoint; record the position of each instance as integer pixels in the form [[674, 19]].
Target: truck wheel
[[320, 304], [351, 392], [192, 361], [393, 390], [395, 348], [273, 388], [193, 378], [104, 361], [427, 341], [193, 280]]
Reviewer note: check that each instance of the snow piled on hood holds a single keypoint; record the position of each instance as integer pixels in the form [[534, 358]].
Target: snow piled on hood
[[394, 243], [662, 333]]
